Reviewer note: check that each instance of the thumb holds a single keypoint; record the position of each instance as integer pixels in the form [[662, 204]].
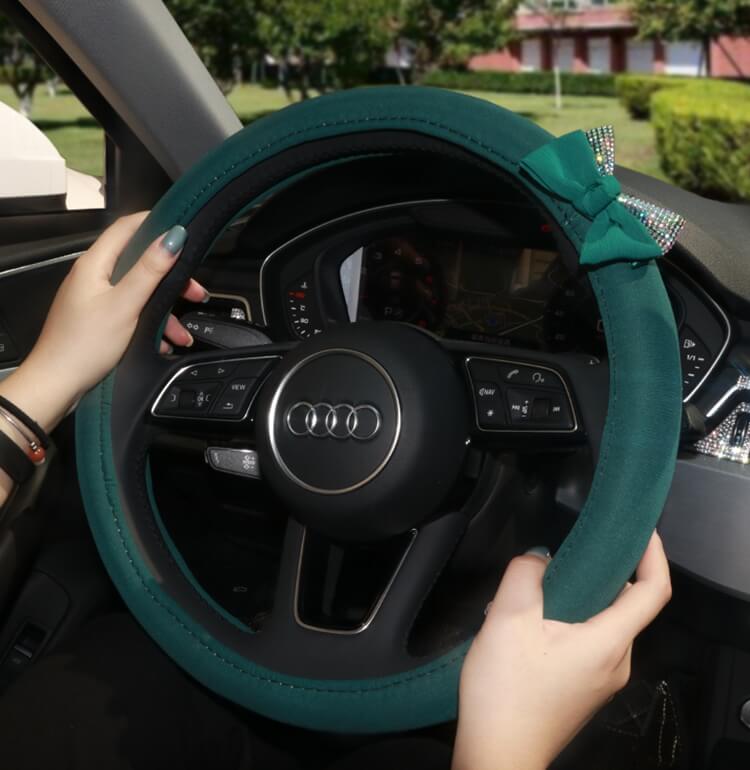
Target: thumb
[[521, 586], [139, 283]]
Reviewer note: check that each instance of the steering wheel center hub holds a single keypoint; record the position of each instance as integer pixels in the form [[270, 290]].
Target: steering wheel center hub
[[334, 421], [363, 429]]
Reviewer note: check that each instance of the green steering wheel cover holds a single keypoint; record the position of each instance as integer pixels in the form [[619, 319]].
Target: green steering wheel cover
[[631, 482]]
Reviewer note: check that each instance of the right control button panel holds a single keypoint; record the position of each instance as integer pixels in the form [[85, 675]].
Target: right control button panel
[[519, 396]]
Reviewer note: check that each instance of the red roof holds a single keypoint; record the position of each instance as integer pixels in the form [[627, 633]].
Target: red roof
[[591, 18]]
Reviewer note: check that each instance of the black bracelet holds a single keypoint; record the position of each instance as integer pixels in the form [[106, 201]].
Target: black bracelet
[[41, 436], [13, 460]]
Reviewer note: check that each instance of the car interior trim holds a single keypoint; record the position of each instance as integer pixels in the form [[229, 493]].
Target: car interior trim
[[39, 265], [742, 385]]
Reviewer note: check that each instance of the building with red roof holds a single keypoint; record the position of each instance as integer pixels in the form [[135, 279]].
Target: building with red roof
[[599, 36]]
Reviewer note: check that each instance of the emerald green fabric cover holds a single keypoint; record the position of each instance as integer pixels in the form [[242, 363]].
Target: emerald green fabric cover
[[630, 484]]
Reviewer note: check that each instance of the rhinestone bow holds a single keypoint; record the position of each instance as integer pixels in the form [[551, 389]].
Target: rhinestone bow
[[579, 168]]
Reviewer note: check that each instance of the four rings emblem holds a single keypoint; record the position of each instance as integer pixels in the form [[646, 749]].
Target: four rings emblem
[[339, 421]]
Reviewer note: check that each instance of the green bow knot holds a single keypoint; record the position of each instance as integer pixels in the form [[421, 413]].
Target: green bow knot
[[598, 196], [579, 168]]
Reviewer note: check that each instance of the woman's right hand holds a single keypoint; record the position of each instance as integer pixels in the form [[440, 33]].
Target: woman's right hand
[[528, 685]]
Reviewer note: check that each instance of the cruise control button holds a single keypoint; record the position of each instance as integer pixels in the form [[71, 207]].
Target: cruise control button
[[242, 462], [490, 411]]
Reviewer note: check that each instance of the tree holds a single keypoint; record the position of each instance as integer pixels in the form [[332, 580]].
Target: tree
[[311, 38], [448, 33], [223, 33], [701, 20], [21, 67]]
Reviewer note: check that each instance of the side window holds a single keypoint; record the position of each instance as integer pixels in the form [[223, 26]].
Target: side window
[[51, 150]]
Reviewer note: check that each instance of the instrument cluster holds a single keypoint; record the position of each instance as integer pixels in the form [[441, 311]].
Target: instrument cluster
[[465, 271]]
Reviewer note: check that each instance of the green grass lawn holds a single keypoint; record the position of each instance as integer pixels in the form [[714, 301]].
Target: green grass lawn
[[81, 142]]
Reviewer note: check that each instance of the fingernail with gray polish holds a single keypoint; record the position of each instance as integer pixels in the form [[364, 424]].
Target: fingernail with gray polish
[[541, 551], [175, 239], [206, 298]]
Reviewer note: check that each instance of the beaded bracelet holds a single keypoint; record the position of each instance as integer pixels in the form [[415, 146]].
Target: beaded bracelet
[[35, 452], [27, 429]]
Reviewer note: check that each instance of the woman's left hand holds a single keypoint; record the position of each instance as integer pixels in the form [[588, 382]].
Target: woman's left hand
[[91, 321]]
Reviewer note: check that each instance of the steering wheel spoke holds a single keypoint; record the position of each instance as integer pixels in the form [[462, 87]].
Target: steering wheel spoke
[[316, 605]]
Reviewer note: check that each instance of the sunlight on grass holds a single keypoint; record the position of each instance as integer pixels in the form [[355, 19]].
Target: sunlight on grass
[[81, 142]]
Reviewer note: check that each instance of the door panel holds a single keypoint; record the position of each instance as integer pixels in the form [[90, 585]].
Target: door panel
[[26, 292]]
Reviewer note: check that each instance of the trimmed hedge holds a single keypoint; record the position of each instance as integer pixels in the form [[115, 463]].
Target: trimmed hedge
[[703, 137], [635, 91], [573, 84]]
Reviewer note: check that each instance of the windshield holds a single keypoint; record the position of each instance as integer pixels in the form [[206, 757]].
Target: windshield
[[671, 76]]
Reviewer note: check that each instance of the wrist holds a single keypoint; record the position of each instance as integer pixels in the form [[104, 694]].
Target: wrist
[[43, 394], [492, 749]]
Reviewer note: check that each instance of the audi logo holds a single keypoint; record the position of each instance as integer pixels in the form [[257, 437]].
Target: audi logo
[[339, 421]]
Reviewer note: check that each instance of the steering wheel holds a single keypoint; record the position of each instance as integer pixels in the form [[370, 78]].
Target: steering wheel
[[363, 429]]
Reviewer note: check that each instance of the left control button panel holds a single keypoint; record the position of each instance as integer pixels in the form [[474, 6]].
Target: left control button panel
[[220, 390]]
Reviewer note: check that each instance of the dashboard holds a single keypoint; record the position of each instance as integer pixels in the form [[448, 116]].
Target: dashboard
[[465, 270]]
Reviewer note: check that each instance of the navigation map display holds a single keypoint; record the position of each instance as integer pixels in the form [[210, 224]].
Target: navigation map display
[[476, 289]]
